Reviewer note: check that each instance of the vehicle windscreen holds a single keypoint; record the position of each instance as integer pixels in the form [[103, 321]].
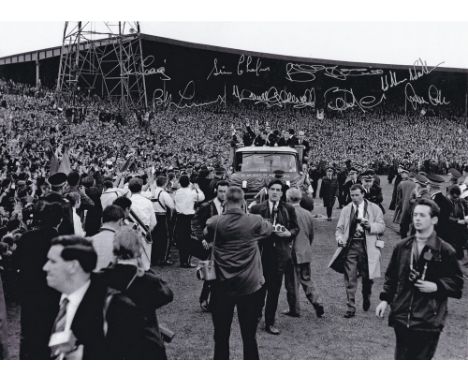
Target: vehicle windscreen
[[266, 162]]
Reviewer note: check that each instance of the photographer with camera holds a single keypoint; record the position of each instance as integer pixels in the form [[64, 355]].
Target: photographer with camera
[[357, 232], [423, 272], [239, 277], [276, 249]]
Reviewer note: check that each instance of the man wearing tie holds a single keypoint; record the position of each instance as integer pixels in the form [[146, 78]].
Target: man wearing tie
[[358, 226], [92, 322], [276, 249]]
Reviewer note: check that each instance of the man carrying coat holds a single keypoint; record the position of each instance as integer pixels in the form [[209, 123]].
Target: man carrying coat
[[276, 249], [359, 225]]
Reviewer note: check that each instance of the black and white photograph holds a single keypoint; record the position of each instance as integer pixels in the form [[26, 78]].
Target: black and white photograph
[[216, 189]]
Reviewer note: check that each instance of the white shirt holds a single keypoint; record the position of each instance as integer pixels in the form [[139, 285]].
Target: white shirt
[[108, 196], [143, 208], [218, 205], [185, 199], [360, 213], [77, 224], [74, 301], [164, 198]]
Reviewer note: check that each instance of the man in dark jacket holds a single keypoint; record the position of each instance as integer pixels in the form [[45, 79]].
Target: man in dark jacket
[[276, 249], [329, 191], [239, 277], [423, 272], [198, 224], [92, 322], [39, 302]]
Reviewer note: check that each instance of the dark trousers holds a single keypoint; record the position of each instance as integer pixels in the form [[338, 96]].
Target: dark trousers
[[222, 309], [329, 206], [355, 265], [415, 344], [295, 275], [160, 234], [206, 290], [182, 231], [270, 291]]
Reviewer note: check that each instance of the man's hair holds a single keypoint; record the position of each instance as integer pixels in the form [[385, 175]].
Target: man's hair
[[135, 185], [112, 213], [123, 202], [108, 184], [222, 183], [356, 186], [234, 195], [184, 181], [435, 210], [454, 190], [294, 195], [77, 248], [127, 244], [275, 181], [73, 178], [74, 198], [161, 180]]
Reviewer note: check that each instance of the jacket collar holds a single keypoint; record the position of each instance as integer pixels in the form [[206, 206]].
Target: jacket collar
[[433, 243], [234, 211]]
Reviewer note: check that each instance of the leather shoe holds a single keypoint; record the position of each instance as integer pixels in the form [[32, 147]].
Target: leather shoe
[[349, 314], [272, 330], [290, 314], [366, 304], [319, 311]]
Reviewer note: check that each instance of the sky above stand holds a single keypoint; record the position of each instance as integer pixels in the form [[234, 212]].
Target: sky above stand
[[360, 31]]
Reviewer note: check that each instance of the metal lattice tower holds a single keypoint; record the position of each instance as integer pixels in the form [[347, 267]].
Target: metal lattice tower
[[104, 59]]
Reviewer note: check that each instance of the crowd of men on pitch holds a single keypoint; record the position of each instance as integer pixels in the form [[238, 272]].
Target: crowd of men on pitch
[[96, 297]]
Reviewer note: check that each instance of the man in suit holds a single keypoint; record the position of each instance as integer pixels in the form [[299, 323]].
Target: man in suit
[[372, 189], [403, 192], [92, 322], [356, 232], [329, 190], [207, 210], [442, 226], [39, 302], [276, 249], [298, 267], [352, 179]]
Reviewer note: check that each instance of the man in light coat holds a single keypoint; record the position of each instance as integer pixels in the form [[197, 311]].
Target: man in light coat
[[298, 267], [359, 225]]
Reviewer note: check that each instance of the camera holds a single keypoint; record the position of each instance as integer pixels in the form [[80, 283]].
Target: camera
[[206, 270], [414, 275], [279, 228]]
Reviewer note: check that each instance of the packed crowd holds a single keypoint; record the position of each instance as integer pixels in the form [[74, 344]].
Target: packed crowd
[[103, 171]]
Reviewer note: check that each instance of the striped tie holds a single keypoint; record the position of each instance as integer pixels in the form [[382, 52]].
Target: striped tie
[[60, 321]]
